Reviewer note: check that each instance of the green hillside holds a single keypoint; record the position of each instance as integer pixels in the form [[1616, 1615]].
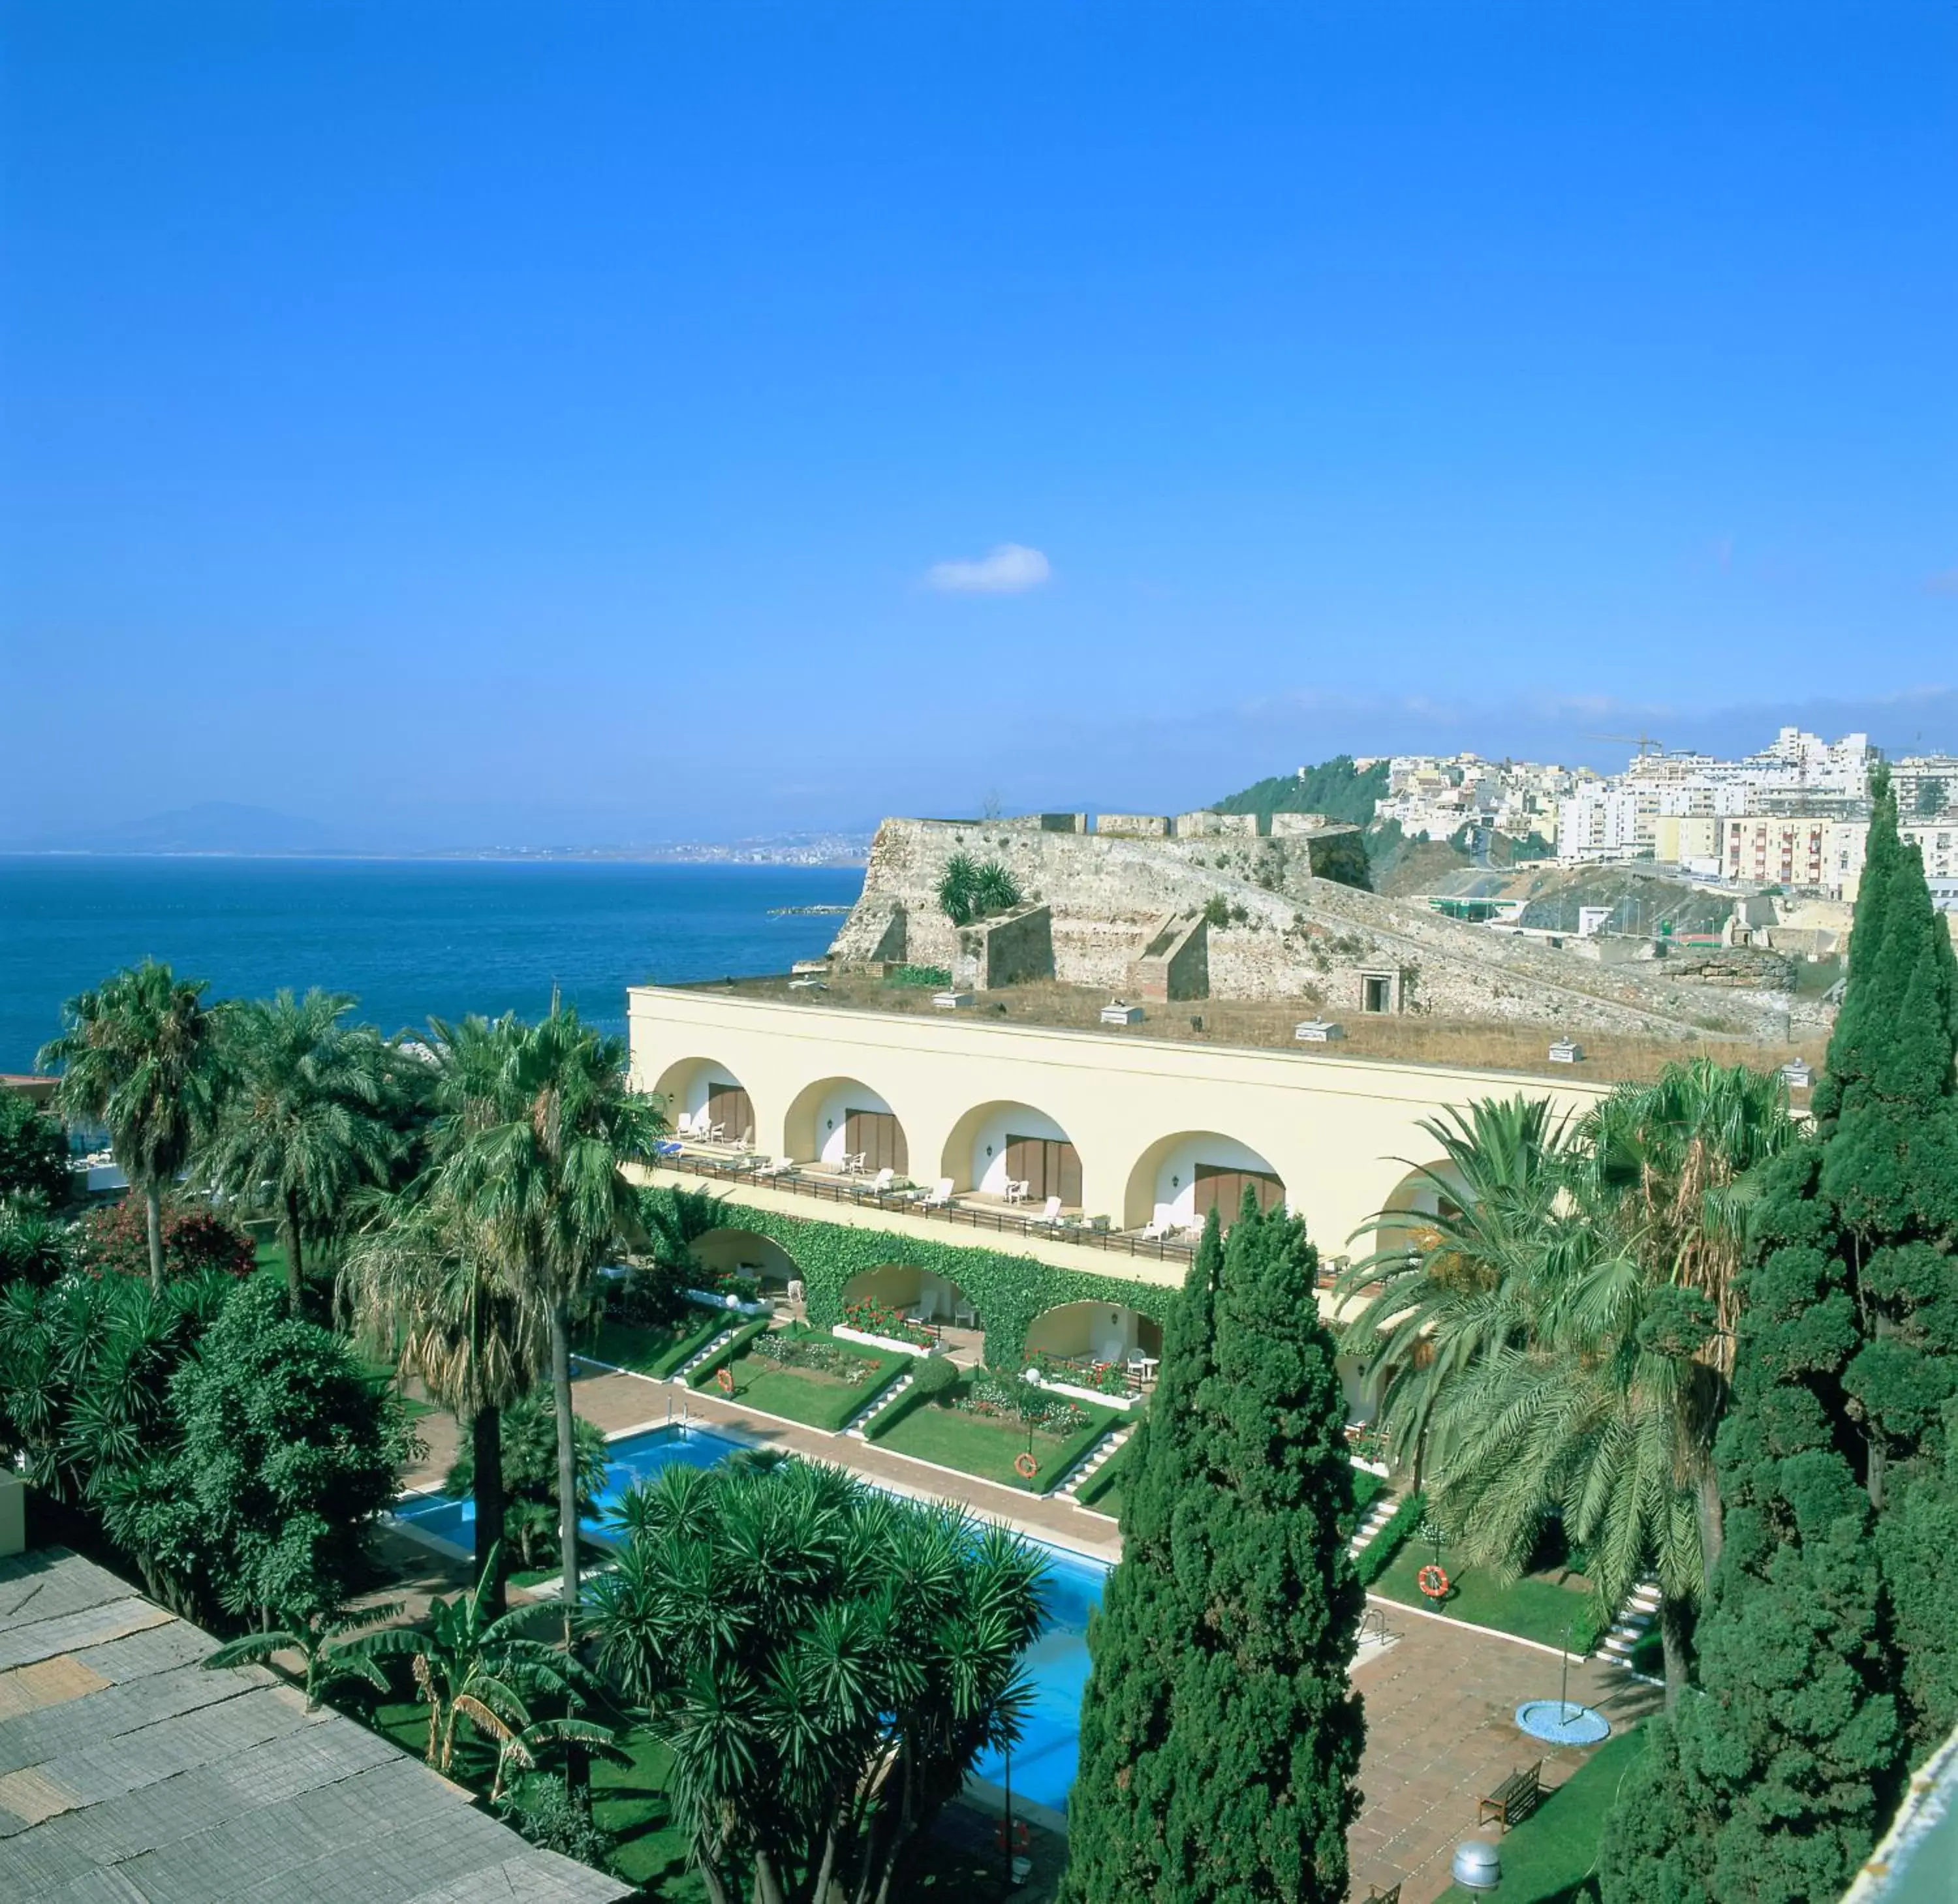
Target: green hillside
[[1337, 789]]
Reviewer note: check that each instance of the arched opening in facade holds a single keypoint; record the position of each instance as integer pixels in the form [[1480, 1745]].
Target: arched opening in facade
[[1408, 1215], [1089, 1332], [996, 1146], [836, 1119], [1178, 1180], [922, 1295], [743, 1253], [706, 1102]]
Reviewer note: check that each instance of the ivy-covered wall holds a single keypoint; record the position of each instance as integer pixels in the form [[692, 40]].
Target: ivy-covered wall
[[1008, 1291]]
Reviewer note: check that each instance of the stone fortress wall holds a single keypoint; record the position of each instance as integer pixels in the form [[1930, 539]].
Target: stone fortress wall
[[1109, 894]]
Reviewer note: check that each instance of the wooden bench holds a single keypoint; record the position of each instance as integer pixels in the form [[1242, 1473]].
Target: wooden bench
[[1515, 1799]]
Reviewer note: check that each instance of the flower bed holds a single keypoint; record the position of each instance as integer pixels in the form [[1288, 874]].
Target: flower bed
[[823, 1356], [1109, 1378], [881, 1319], [1000, 1400]]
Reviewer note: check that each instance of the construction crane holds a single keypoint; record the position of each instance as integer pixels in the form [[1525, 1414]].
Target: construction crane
[[1645, 743]]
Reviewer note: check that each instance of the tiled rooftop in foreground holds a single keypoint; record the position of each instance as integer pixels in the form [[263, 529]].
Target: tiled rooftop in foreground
[[130, 1775]]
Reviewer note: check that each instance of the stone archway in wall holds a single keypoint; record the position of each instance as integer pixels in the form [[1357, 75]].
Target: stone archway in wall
[[1094, 1332], [744, 1252], [837, 1117], [924, 1295], [1178, 1178], [1001, 1142], [701, 1095], [1410, 1209]]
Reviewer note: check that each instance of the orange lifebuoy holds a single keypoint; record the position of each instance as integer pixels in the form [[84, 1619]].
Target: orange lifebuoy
[[723, 1378], [1025, 1466], [1433, 1581], [1021, 1838]]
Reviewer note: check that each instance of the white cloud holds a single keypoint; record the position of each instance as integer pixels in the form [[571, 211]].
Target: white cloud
[[1010, 569]]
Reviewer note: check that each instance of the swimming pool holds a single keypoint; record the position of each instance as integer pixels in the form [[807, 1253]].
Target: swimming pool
[[1044, 1761], [630, 1459], [1049, 1748]]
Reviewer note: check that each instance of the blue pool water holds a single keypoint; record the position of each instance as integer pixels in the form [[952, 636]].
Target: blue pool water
[[1043, 1763], [631, 1459], [1049, 1748]]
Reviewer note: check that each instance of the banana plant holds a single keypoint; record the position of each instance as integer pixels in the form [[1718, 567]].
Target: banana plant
[[319, 1638], [469, 1666]]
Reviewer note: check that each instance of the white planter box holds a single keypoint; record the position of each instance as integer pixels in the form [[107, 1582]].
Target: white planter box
[[888, 1343], [1121, 1015], [1124, 1403]]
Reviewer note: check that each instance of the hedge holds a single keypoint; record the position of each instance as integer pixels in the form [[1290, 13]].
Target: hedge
[[727, 1351], [1008, 1291], [1372, 1560], [930, 1378]]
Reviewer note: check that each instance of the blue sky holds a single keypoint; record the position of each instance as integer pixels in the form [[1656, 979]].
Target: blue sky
[[567, 422]]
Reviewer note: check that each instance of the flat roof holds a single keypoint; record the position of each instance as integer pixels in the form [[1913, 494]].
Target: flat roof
[[129, 1772], [1270, 1025]]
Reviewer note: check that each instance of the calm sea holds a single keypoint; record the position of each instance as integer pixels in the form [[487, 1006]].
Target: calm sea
[[409, 939]]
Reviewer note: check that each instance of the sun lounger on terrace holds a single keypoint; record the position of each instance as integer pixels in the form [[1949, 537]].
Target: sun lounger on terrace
[[938, 1196]]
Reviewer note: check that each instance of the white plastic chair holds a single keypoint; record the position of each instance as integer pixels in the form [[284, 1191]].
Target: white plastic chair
[[938, 1197], [1050, 1211], [882, 1182]]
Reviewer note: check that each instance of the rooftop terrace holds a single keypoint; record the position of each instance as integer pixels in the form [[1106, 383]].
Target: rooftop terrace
[[1271, 1025]]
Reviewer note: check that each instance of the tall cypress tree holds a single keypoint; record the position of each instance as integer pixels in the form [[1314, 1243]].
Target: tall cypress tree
[[1834, 1459], [1220, 1738]]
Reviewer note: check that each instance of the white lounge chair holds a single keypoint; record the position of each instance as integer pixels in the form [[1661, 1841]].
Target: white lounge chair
[[938, 1196], [780, 1167], [1050, 1211], [882, 1182], [683, 1127], [1156, 1229]]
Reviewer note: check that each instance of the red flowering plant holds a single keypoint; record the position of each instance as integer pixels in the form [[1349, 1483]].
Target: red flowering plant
[[115, 1240], [883, 1319], [1078, 1372]]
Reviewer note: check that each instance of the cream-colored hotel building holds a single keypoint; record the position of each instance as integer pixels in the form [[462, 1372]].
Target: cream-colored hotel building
[[1136, 1136]]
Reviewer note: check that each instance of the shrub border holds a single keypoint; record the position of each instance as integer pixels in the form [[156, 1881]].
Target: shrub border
[[1374, 1559], [1009, 1291]]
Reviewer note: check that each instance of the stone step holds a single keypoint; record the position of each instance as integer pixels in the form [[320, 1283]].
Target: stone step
[[693, 1362], [1110, 1445], [855, 1427]]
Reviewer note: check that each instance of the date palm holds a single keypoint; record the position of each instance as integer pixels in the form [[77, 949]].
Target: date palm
[[139, 1056], [303, 1123], [537, 1160]]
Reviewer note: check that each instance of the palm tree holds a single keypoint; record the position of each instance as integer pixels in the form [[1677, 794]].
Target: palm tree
[[137, 1057], [537, 1160], [303, 1122], [1674, 1159], [421, 1285], [1561, 1344], [1443, 1291]]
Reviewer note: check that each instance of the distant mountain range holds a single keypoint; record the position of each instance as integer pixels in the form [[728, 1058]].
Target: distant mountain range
[[212, 826], [219, 828]]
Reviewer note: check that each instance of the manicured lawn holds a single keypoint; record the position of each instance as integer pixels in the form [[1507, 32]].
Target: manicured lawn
[[1548, 1858], [657, 1353], [975, 1444], [1535, 1608], [818, 1400]]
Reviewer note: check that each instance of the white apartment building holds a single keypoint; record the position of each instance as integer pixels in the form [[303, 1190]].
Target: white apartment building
[[1602, 824], [1811, 853]]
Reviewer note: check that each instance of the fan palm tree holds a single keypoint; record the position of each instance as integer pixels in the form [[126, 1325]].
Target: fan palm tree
[[304, 1122], [138, 1056], [421, 1284], [537, 1160]]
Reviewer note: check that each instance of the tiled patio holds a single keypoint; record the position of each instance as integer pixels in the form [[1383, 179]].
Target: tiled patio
[[1441, 1735]]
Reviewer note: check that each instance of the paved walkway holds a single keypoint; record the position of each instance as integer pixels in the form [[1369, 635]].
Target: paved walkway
[[1441, 1735]]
